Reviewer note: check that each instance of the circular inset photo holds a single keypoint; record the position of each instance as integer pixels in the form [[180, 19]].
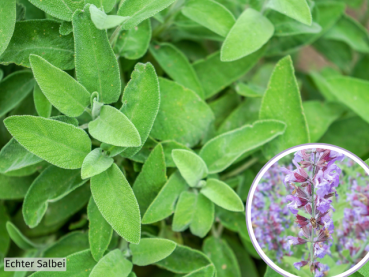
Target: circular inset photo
[[308, 212]]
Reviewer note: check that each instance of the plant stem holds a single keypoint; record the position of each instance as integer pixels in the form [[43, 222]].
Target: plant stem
[[240, 169], [113, 37]]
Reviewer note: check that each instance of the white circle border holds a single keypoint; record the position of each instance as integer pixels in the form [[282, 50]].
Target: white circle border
[[256, 182]]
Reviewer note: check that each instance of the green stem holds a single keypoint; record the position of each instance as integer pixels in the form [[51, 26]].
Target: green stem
[[240, 169], [113, 37]]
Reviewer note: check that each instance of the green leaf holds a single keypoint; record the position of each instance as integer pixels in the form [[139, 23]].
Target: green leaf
[[210, 14], [271, 273], [112, 264], [139, 11], [349, 31], [42, 105], [18, 238], [59, 143], [151, 250], [168, 147], [223, 150], [203, 217], [364, 270], [14, 156], [14, 187], [184, 260], [223, 106], [13, 89], [177, 66], [250, 32], [249, 90], [190, 165], [207, 271], [107, 5], [132, 44], [215, 75], [65, 28], [164, 203], [222, 195], [79, 264], [95, 163], [62, 9], [351, 92], [283, 88], [141, 100], [40, 37], [103, 21], [337, 134], [320, 80], [96, 65], [100, 232], [320, 116], [222, 257], [296, 9], [184, 105], [4, 237], [63, 209], [50, 186], [62, 90], [113, 127], [151, 179], [67, 245], [185, 211], [117, 203], [7, 23]]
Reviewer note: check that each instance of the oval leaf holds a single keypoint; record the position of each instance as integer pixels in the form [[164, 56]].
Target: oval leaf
[[191, 166], [4, 236], [151, 250], [18, 238], [112, 264], [62, 9], [14, 187], [103, 21], [185, 211], [203, 217], [59, 143], [64, 92], [95, 163], [42, 104], [8, 16], [222, 195], [67, 245], [250, 32], [296, 9], [115, 128], [117, 203]]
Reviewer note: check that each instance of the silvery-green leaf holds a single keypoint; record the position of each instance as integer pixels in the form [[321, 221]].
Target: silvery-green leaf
[[59, 143], [79, 264], [42, 104], [13, 89], [203, 217], [296, 9], [177, 66], [40, 37], [184, 260], [185, 210], [221, 151], [67, 245], [62, 90], [18, 238], [164, 203], [215, 75], [100, 232], [111, 150], [168, 147], [107, 5], [51, 185], [249, 90], [210, 14], [7, 23], [141, 100], [151, 250], [103, 21], [117, 203], [95, 163], [283, 87], [113, 127], [65, 28], [222, 195], [4, 236], [132, 44], [151, 179], [96, 65], [113, 264], [250, 32], [177, 102], [12, 188], [14, 156], [190, 165], [62, 9], [139, 11]]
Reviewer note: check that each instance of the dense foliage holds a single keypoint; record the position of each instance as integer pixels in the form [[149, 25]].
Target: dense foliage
[[131, 130]]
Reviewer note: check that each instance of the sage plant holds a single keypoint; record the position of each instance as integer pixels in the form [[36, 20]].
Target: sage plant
[[315, 180]]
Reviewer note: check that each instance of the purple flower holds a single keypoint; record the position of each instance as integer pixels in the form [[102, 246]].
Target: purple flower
[[295, 240], [298, 265]]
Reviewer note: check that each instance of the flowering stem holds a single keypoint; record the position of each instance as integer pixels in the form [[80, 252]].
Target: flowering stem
[[312, 212]]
